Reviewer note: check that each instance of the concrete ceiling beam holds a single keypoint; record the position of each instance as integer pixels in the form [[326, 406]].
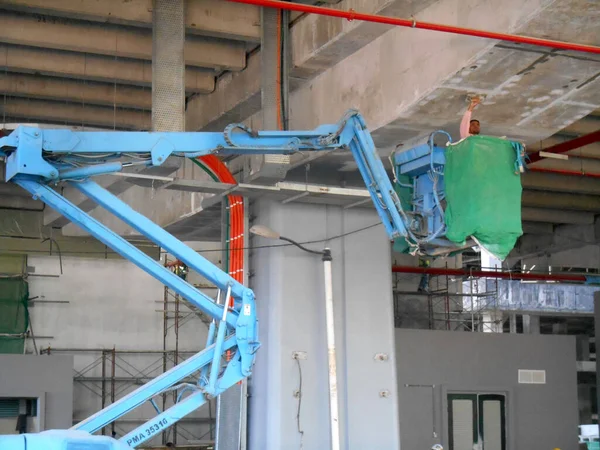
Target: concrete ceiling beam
[[564, 237], [375, 73], [537, 228], [236, 97], [29, 204], [120, 42], [556, 216], [203, 17], [573, 164], [93, 67], [75, 113], [587, 125], [560, 183], [555, 200], [318, 43], [588, 151], [85, 93], [321, 42], [12, 190]]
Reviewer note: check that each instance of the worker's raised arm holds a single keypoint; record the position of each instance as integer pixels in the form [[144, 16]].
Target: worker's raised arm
[[465, 124]]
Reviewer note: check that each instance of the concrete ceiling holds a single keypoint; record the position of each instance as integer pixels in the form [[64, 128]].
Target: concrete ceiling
[[88, 64]]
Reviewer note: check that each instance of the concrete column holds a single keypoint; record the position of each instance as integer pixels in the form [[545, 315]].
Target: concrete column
[[583, 347], [492, 321], [559, 328], [513, 323], [584, 396], [290, 303], [531, 324], [168, 66]]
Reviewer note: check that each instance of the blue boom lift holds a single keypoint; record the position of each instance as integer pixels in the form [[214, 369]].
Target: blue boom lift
[[37, 159]]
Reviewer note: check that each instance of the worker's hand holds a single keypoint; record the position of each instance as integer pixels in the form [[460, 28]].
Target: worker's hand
[[474, 102]]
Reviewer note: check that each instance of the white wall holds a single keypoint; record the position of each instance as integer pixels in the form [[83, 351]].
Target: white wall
[[289, 286], [112, 303]]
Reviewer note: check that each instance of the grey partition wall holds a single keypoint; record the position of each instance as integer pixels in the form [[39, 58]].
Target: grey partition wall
[[534, 375], [48, 378]]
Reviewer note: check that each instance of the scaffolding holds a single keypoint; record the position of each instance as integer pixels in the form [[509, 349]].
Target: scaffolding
[[111, 373], [443, 302], [174, 317], [122, 370]]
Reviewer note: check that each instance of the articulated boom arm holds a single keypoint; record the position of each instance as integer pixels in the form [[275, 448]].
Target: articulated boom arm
[[37, 158]]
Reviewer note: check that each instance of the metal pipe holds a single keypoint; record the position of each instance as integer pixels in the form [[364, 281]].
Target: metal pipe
[[564, 147], [112, 385], [333, 390], [103, 385], [127, 352], [85, 172], [491, 274], [564, 172], [164, 355], [411, 23]]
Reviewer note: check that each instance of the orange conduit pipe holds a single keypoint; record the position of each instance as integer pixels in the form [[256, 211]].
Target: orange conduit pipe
[[236, 217], [236, 222], [353, 15]]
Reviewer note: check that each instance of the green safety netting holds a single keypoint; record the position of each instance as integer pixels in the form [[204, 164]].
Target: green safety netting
[[483, 194], [14, 316]]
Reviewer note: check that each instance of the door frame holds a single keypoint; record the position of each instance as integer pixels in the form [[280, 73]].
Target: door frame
[[501, 397], [462, 396], [509, 410]]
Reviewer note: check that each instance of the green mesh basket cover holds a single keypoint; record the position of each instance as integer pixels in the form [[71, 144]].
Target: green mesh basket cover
[[14, 316], [483, 194]]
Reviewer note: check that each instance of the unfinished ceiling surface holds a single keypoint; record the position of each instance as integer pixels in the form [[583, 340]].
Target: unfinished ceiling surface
[[87, 64]]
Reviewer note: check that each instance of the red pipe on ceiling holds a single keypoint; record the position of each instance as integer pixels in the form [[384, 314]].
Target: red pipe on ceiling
[[564, 147], [353, 15], [564, 172], [490, 274]]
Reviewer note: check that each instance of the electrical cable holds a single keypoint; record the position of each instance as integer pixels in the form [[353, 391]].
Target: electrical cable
[[317, 241], [316, 252], [52, 240], [300, 430]]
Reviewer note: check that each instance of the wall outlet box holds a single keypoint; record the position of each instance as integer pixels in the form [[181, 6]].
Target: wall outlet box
[[299, 355]]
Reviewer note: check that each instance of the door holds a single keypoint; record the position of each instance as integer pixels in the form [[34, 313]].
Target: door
[[477, 421]]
